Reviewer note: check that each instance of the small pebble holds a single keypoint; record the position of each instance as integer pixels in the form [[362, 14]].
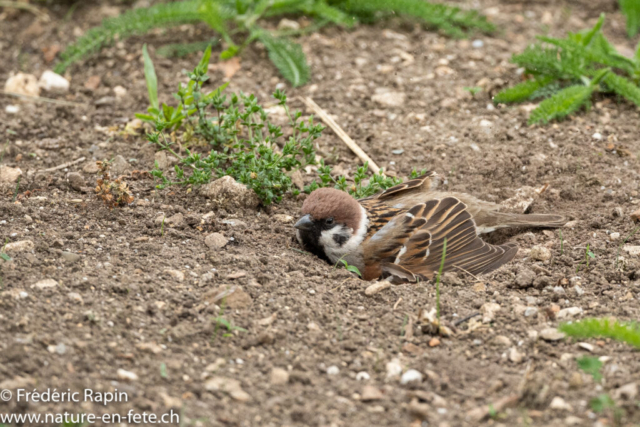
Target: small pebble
[[279, 376], [515, 356], [568, 312], [411, 376], [333, 370], [370, 393], [394, 369], [126, 375], [559, 404], [551, 334], [597, 136], [363, 376], [540, 253], [477, 44]]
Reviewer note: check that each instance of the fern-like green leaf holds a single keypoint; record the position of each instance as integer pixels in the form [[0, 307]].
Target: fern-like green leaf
[[590, 54], [322, 10], [288, 57], [451, 20], [631, 9], [623, 87], [178, 50], [604, 328], [538, 60], [561, 104], [521, 91], [137, 21]]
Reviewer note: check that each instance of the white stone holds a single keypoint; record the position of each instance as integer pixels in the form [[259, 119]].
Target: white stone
[[559, 404], [23, 84], [411, 376], [394, 368], [568, 312], [631, 250], [120, 92], [216, 241], [279, 376], [389, 99], [46, 284], [540, 253], [486, 123], [175, 274], [288, 24], [52, 82], [515, 356], [333, 370], [597, 136], [551, 334], [477, 44], [12, 109], [586, 346], [363, 376], [614, 236], [489, 310], [126, 375], [9, 175]]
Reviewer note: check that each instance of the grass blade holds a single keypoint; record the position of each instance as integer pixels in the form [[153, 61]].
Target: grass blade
[[151, 78]]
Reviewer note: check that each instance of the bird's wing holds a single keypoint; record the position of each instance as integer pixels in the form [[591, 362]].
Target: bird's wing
[[427, 182], [417, 247]]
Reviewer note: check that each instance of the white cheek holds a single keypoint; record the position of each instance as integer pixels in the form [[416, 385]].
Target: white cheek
[[327, 240]]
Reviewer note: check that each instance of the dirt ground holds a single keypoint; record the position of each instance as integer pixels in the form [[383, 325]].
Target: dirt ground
[[133, 303]]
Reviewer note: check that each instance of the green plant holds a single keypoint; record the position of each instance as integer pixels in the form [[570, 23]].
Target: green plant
[[17, 189], [178, 50], [604, 402], [351, 268], [221, 321], [473, 90], [590, 365], [240, 22], [163, 371], [567, 72], [608, 328], [3, 254], [151, 78], [244, 143], [444, 255], [363, 186], [588, 255], [631, 9]]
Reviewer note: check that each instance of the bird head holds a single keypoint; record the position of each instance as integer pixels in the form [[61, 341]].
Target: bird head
[[329, 219]]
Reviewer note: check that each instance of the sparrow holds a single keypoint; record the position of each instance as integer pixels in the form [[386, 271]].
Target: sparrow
[[400, 233]]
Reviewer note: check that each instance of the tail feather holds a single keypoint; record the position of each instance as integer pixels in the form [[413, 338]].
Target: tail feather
[[509, 220]]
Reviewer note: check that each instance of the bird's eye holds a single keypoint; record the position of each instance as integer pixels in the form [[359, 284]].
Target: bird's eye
[[328, 221]]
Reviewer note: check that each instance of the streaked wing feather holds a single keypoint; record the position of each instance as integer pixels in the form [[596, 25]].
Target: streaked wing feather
[[421, 251]]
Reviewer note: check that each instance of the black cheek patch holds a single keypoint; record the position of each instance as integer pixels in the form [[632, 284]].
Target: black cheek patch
[[310, 243], [340, 239]]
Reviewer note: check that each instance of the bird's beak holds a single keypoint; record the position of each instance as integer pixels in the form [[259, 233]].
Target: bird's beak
[[304, 223]]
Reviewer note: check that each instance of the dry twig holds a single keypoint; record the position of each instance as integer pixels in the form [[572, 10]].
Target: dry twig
[[341, 134], [64, 165]]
